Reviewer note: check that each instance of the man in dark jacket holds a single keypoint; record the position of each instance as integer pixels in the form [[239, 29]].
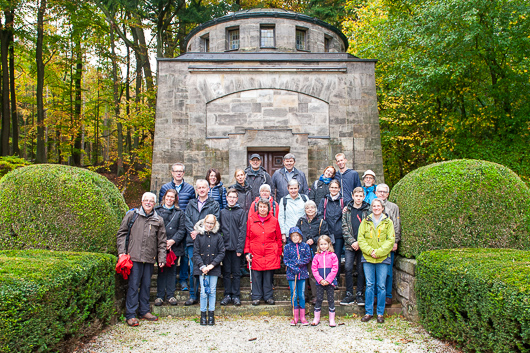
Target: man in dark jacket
[[146, 244], [349, 179], [234, 230], [185, 190], [257, 176], [356, 211], [282, 176], [196, 210]]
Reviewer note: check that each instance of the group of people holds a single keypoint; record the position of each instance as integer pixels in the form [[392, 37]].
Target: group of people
[[256, 222]]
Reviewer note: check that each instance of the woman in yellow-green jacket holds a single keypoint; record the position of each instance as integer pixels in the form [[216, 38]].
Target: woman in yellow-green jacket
[[376, 239]]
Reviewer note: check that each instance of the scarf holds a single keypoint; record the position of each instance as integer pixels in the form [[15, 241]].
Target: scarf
[[324, 180]]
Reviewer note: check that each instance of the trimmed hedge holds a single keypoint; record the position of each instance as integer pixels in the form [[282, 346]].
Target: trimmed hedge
[[462, 203], [57, 207], [9, 163], [48, 299], [478, 298]]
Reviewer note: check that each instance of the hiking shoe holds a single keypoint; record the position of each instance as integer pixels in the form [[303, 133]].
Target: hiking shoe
[[226, 300], [348, 300], [388, 301], [360, 299], [133, 322], [149, 317], [237, 301], [172, 301], [255, 302], [191, 302], [269, 301], [367, 318], [380, 319], [159, 301]]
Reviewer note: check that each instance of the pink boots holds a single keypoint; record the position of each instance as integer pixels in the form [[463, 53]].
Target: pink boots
[[303, 320], [296, 313], [316, 320], [332, 319]]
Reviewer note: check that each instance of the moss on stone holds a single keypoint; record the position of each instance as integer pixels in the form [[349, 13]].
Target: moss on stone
[[57, 207], [462, 203]]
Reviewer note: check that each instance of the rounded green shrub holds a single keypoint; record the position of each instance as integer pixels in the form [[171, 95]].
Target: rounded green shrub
[[462, 203], [57, 207]]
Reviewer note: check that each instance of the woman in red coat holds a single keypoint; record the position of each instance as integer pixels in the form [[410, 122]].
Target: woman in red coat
[[263, 248]]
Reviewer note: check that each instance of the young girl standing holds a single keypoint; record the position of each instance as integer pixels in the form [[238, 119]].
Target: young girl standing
[[325, 267], [296, 257], [208, 252]]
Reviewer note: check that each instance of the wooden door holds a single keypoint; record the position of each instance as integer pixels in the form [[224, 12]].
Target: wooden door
[[271, 161]]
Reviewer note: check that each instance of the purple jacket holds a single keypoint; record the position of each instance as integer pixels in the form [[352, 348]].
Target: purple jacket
[[296, 257]]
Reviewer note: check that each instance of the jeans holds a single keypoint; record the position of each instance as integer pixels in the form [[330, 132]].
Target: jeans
[[184, 265], [339, 249], [194, 287], [375, 274], [389, 277], [208, 299], [354, 258], [232, 268], [165, 282], [298, 298], [140, 277]]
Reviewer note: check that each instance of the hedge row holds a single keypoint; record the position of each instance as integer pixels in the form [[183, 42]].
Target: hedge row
[[478, 298], [49, 299], [61, 208], [462, 204]]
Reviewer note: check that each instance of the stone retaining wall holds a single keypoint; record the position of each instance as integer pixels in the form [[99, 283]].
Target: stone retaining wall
[[403, 286]]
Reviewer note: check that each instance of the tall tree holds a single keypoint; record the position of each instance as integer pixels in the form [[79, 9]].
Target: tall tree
[[40, 156]]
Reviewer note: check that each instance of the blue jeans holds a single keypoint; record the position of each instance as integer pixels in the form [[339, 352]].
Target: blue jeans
[[184, 265], [208, 299], [300, 293], [375, 274], [390, 275], [339, 250], [194, 287]]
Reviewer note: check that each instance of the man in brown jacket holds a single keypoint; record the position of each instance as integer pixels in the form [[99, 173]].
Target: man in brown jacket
[[147, 243]]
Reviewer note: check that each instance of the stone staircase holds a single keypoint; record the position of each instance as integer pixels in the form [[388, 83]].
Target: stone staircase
[[281, 296]]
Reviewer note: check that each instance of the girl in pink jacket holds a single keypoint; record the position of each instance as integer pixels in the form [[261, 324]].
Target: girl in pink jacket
[[325, 267]]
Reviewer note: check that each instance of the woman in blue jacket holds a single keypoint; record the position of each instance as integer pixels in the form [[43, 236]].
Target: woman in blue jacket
[[217, 191]]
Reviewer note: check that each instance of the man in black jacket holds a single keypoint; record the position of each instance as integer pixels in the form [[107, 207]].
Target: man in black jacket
[[257, 176], [233, 227], [356, 211], [196, 210]]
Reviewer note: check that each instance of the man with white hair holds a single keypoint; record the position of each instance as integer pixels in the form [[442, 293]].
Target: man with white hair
[[392, 210], [142, 236], [282, 176], [196, 210]]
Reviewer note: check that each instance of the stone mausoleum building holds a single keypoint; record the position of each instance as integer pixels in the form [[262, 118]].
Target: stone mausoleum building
[[265, 81]]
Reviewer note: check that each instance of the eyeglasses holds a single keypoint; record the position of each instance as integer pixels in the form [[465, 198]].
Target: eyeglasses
[[177, 171], [148, 201], [382, 192], [231, 197]]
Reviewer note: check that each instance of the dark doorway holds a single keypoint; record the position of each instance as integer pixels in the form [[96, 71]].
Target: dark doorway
[[271, 161]]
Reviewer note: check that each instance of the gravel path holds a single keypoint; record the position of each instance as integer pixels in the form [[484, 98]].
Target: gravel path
[[272, 334]]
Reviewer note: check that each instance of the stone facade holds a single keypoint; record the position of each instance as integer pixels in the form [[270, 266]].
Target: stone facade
[[214, 107]]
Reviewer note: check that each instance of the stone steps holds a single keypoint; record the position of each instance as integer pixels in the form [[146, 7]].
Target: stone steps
[[281, 308]]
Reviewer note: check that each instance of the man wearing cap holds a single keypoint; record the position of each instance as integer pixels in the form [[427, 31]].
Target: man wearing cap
[[369, 186], [349, 179], [283, 176], [392, 211], [257, 176]]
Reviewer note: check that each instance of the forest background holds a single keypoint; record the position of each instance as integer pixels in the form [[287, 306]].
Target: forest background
[[79, 77]]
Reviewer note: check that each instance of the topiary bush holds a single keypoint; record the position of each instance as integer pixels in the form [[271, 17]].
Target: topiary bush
[[57, 207], [478, 298], [462, 203], [49, 299], [9, 163]]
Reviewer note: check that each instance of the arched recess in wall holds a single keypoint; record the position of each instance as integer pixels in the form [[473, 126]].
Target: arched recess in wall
[[267, 109]]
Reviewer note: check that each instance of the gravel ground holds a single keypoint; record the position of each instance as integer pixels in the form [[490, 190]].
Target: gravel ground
[[266, 334]]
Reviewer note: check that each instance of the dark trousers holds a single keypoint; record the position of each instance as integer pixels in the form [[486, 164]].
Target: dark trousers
[[339, 249], [354, 258], [262, 284], [330, 291], [165, 282], [140, 277], [232, 268]]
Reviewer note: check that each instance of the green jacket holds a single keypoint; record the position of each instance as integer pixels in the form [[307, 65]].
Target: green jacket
[[380, 239]]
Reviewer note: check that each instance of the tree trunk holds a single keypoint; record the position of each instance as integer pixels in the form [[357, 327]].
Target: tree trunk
[[76, 151], [6, 115], [14, 114], [41, 150], [120, 170]]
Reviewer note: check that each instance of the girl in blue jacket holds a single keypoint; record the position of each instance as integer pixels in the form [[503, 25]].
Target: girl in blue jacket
[[297, 255]]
